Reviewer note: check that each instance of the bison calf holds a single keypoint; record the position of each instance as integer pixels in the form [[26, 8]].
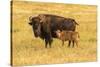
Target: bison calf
[[70, 36]]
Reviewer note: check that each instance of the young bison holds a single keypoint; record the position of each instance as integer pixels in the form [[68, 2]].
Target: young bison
[[70, 36]]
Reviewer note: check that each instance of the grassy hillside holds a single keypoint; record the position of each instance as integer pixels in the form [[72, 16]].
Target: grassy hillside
[[28, 50]]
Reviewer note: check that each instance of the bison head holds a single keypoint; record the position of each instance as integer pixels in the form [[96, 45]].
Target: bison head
[[35, 23]]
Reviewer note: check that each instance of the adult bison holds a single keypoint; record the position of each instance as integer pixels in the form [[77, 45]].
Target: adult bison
[[46, 25]]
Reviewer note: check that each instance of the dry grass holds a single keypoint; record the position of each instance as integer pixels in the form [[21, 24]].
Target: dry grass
[[28, 50]]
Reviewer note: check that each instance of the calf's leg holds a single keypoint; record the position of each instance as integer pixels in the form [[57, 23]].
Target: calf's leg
[[62, 42], [69, 43], [73, 43], [76, 43]]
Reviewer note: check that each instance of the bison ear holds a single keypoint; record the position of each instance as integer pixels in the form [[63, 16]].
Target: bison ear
[[30, 23]]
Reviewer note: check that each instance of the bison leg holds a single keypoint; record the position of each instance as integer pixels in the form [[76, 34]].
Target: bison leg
[[46, 43], [50, 42], [69, 43]]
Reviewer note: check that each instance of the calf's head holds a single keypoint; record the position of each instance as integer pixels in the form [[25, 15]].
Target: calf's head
[[58, 33]]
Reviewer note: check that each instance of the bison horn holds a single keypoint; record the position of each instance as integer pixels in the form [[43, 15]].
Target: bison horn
[[30, 18], [42, 18]]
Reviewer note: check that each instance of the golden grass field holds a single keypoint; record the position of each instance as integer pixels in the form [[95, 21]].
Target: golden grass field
[[28, 50]]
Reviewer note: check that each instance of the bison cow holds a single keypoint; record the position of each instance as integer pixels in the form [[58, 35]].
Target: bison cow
[[71, 36], [45, 25]]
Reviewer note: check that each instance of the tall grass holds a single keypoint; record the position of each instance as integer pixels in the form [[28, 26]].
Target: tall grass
[[28, 50]]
